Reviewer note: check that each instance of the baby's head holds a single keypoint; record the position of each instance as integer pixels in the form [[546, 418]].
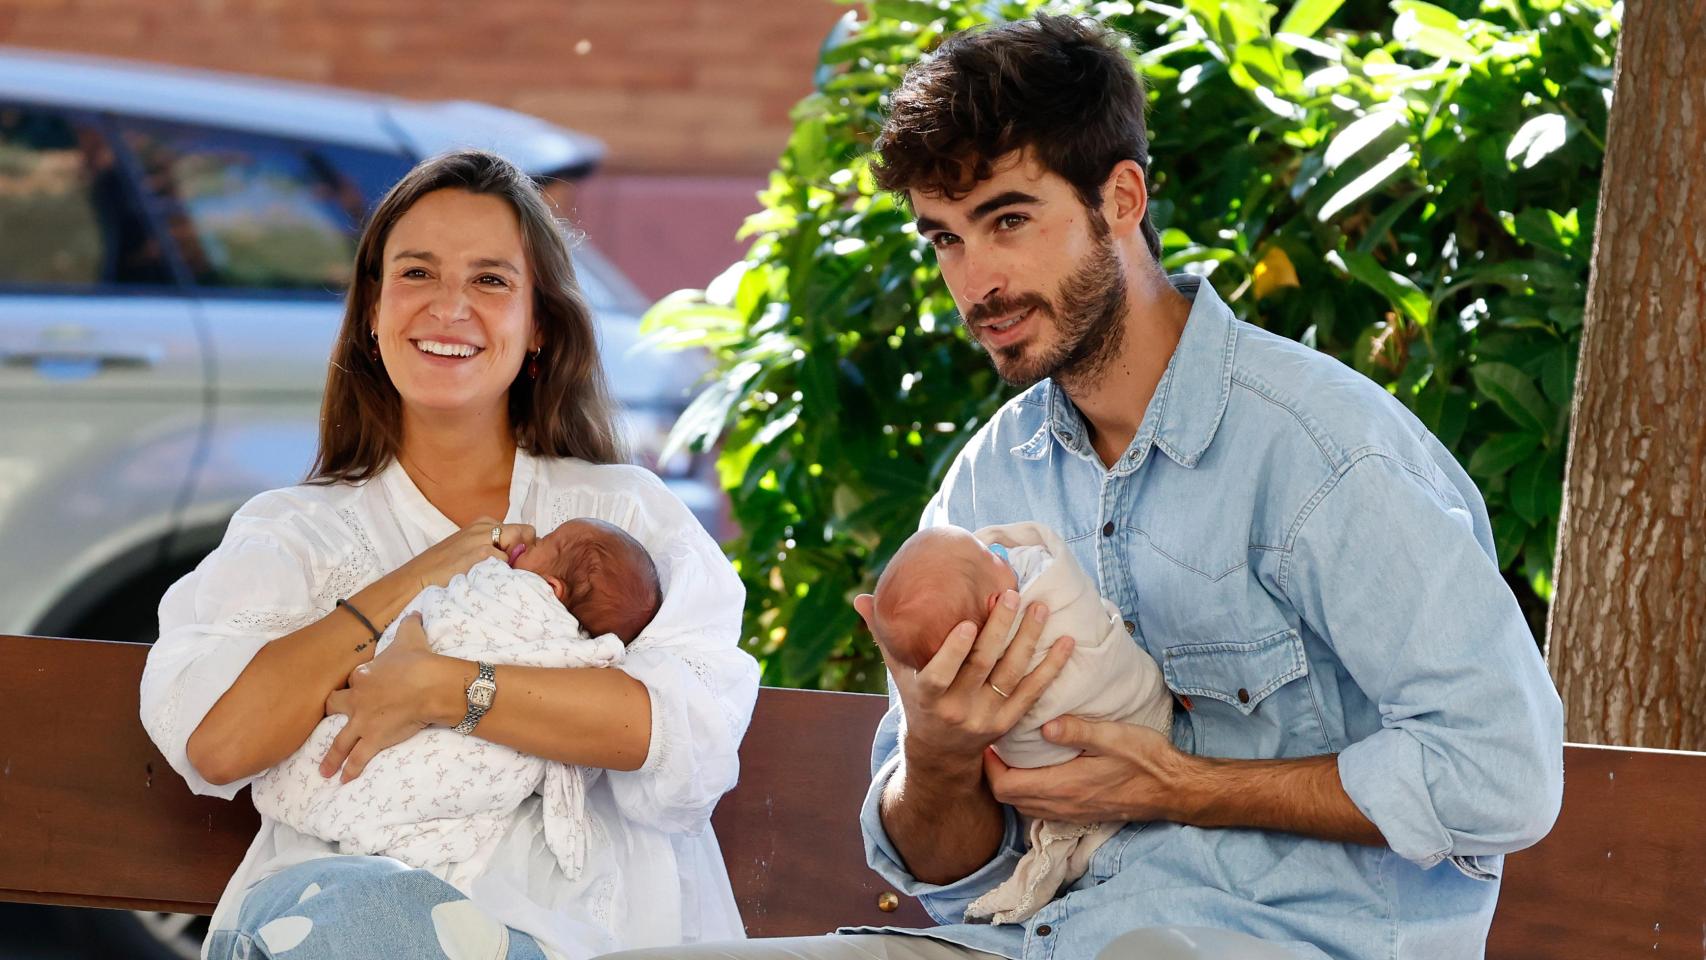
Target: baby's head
[[939, 577], [601, 575]]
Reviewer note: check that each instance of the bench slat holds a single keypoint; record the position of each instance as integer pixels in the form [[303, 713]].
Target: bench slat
[[1623, 873], [90, 815]]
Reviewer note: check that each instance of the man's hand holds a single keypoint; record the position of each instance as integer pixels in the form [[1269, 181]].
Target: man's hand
[[976, 687], [936, 807], [1126, 772], [1132, 773]]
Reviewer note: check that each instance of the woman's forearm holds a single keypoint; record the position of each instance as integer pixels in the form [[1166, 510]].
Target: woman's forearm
[[590, 716], [281, 695]]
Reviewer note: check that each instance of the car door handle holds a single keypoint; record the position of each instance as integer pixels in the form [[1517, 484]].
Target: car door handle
[[137, 357]]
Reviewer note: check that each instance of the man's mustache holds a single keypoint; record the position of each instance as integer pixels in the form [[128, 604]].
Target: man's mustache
[[1002, 306]]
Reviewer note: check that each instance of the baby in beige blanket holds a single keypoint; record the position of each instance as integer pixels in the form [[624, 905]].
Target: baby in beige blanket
[[942, 576]]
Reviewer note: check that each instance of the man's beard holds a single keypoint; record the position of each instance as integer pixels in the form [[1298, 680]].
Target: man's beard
[[1089, 325]]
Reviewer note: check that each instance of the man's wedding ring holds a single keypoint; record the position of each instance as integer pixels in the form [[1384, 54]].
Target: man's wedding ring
[[498, 537], [997, 689]]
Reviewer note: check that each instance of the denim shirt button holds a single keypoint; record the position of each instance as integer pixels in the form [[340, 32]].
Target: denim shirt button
[[1243, 695], [1130, 627], [1043, 930], [1108, 529]]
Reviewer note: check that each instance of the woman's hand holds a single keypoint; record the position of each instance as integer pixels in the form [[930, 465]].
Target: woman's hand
[[388, 700], [459, 552]]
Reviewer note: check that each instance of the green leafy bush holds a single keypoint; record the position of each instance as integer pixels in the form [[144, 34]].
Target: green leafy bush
[[1412, 192]]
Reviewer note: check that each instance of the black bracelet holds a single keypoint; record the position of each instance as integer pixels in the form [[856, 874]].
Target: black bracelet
[[345, 604]]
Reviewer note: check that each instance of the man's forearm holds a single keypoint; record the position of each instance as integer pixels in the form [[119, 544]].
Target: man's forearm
[[1302, 796], [941, 818]]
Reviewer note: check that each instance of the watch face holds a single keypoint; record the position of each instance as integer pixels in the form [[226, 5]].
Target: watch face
[[480, 693]]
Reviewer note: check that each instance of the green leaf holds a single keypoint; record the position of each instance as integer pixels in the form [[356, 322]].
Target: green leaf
[[1358, 134], [1410, 303], [1501, 452], [1427, 15], [1515, 394], [912, 11], [705, 417], [1365, 184], [1308, 16], [1509, 532], [1538, 139], [1558, 376], [1432, 30], [820, 619], [1540, 228], [1529, 495]]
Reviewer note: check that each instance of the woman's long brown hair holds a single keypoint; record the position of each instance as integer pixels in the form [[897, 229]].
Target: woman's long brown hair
[[565, 412]]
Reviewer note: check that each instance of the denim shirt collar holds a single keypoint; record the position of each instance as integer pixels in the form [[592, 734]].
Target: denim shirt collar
[[1189, 402]]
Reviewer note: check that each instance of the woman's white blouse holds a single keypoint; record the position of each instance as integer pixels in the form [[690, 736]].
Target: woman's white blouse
[[654, 873]]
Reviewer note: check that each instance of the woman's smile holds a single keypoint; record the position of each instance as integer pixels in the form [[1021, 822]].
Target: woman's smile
[[447, 349]]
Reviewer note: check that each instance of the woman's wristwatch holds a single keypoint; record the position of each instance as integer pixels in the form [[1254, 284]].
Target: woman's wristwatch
[[481, 693]]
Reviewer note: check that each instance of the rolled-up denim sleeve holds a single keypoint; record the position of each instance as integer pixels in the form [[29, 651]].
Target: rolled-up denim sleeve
[[1388, 568], [945, 902]]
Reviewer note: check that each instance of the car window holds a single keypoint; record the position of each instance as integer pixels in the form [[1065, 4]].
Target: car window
[[373, 173], [67, 218], [247, 210]]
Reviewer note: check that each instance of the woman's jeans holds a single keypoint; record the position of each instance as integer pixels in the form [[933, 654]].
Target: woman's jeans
[[360, 908]]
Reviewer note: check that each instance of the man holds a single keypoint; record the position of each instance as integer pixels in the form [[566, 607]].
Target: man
[[1363, 726]]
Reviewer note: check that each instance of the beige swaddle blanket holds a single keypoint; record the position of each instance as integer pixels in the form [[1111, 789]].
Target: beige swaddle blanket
[[1108, 677], [441, 800]]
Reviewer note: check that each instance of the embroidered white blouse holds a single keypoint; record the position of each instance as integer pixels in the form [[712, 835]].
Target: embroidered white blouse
[[654, 875]]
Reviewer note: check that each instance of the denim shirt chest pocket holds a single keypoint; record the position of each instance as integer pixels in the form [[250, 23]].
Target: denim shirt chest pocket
[[1247, 698]]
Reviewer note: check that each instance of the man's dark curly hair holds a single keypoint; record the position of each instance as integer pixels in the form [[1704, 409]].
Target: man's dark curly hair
[[1061, 86]]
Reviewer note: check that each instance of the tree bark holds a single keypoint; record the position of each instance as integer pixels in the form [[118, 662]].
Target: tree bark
[[1624, 643]]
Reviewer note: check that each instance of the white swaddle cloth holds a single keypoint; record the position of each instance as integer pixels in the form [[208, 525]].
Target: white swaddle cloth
[[1108, 677], [442, 800]]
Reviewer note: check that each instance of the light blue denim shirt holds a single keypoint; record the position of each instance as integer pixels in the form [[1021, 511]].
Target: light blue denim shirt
[[1315, 574]]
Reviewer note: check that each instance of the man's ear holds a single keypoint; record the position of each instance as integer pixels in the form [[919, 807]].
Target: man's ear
[[1125, 197], [866, 604], [558, 587]]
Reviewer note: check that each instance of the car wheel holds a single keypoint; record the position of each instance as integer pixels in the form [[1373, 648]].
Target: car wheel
[[138, 934]]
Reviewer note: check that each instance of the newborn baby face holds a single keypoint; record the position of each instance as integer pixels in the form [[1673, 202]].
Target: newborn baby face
[[938, 578], [545, 557], [600, 574]]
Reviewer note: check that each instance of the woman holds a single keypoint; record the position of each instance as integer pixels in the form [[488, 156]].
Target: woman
[[465, 385]]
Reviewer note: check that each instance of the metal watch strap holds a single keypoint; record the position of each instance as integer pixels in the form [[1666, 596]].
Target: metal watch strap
[[477, 710]]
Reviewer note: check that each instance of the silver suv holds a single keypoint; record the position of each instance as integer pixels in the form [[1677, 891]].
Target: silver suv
[[173, 246]]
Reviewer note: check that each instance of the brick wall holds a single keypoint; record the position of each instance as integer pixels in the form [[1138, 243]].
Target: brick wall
[[691, 96], [673, 86]]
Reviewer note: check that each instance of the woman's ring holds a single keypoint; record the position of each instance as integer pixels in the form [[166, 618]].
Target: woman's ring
[[997, 689], [497, 538]]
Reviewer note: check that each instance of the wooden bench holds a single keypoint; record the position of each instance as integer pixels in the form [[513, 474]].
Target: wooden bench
[[90, 815]]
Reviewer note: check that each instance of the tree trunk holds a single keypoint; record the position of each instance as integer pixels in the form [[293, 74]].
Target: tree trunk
[[1625, 638]]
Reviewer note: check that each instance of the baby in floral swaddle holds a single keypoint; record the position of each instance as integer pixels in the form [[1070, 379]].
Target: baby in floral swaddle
[[441, 800]]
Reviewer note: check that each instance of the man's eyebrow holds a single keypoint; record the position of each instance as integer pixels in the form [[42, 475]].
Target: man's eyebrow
[[984, 209], [998, 201], [927, 224]]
